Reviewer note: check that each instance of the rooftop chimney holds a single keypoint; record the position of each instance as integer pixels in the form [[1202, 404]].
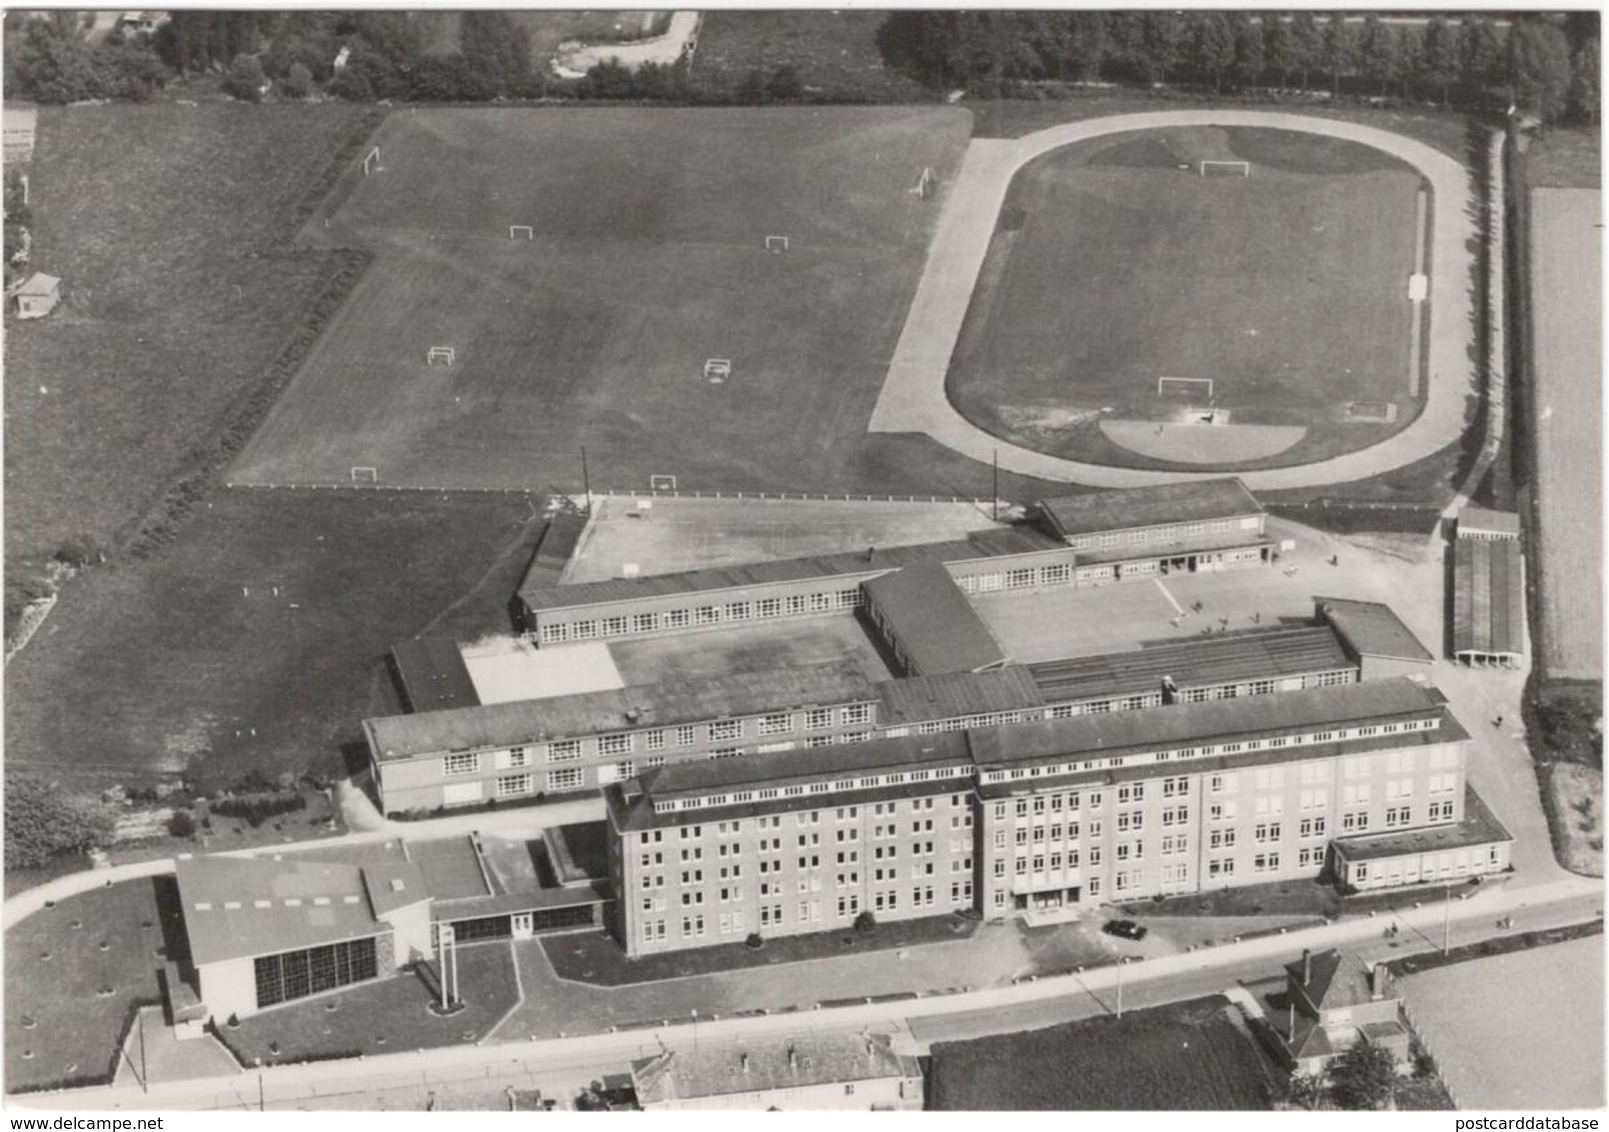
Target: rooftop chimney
[[1307, 966], [1377, 982], [871, 554]]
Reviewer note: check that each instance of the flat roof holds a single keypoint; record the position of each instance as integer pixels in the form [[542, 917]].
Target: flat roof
[[873, 560], [451, 867], [935, 626], [1205, 662], [505, 669], [1126, 508], [1208, 722], [948, 695], [237, 907], [1372, 628], [579, 851], [593, 713], [432, 674], [1484, 519], [1488, 597], [803, 1061], [1479, 827]]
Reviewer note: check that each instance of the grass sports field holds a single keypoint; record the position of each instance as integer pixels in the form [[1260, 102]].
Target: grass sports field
[[647, 256], [1112, 267]]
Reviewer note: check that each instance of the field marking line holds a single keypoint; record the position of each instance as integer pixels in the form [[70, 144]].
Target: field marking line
[[1177, 608]]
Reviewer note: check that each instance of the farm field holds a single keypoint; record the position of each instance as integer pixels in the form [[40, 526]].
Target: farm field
[[1523, 1030], [1187, 1055], [1112, 267], [176, 298], [75, 1027], [169, 663], [647, 257], [1567, 290]]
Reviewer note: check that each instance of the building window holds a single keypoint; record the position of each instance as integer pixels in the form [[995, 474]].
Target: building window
[[564, 751], [615, 744], [511, 785], [779, 723], [726, 729], [644, 622], [737, 611], [677, 618], [518, 757], [686, 735], [857, 713], [654, 740], [818, 719], [454, 765], [707, 615], [1266, 863], [567, 779], [614, 626], [296, 974], [768, 607]]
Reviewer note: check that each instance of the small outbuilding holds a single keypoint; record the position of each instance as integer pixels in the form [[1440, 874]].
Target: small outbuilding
[[38, 295]]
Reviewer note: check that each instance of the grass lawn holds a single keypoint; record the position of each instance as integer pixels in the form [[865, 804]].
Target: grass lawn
[[834, 53], [595, 957], [171, 662], [1186, 1055], [1565, 159], [383, 1017], [165, 223], [75, 1029], [1112, 267], [648, 259]]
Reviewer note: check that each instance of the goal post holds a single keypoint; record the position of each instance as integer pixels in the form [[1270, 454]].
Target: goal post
[[1225, 168], [440, 354], [515, 231], [926, 184], [776, 243], [360, 474], [718, 369], [1195, 388], [661, 482], [371, 161]]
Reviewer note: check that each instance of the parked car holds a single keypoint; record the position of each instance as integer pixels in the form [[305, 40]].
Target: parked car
[[1128, 929]]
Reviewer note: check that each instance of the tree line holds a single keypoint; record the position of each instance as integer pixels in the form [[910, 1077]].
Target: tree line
[[1547, 65]]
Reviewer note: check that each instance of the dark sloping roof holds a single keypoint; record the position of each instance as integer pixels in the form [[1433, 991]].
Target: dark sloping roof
[[1372, 628], [812, 765], [393, 886], [433, 675], [1481, 519], [1488, 597], [949, 695], [560, 539], [236, 907], [1479, 827], [935, 626], [618, 709], [1126, 508], [860, 563], [766, 1066], [1203, 662], [1210, 722], [1336, 980]]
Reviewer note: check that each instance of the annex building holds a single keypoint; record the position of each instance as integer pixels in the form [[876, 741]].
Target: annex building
[[1363, 781]]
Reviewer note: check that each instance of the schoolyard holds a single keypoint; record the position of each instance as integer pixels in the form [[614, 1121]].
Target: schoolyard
[[1115, 263], [646, 256]]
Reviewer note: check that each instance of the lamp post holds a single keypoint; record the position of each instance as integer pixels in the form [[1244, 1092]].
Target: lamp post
[[1120, 961], [1447, 920]]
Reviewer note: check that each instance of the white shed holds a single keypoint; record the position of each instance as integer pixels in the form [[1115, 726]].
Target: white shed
[[38, 295]]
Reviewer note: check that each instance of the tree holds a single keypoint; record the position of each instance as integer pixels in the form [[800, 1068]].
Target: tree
[[1248, 48], [1306, 43], [1212, 46], [866, 923], [42, 822], [1159, 46], [1443, 51], [1363, 1078], [353, 85], [1483, 58], [1089, 44], [1378, 51], [1302, 1090], [182, 824], [1276, 46], [245, 79], [1410, 56], [1340, 50], [1584, 83], [297, 83], [496, 48], [1539, 67]]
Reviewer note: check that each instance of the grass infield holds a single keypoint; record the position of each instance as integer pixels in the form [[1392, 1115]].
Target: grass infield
[[1113, 266], [648, 258]]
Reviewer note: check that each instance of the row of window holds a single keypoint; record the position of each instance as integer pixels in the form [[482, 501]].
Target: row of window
[[861, 782], [670, 620]]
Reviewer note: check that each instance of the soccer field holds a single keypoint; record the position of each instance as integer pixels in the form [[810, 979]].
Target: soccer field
[[646, 257], [1116, 263]]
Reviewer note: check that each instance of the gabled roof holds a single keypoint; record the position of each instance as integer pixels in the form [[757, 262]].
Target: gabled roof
[[1488, 597], [949, 695], [1336, 980], [39, 284], [924, 611], [1371, 628], [766, 1066], [1126, 508], [238, 907], [393, 885]]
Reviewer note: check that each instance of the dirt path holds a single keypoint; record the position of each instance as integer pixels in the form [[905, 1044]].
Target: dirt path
[[913, 398], [664, 49]]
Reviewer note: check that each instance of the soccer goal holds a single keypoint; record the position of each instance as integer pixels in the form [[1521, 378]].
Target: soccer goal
[[371, 161], [364, 475], [1194, 388], [1226, 169], [718, 369], [661, 483], [927, 184], [776, 243], [515, 231], [440, 354]]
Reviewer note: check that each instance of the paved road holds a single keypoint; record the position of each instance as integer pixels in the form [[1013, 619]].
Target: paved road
[[913, 397], [1016, 1006]]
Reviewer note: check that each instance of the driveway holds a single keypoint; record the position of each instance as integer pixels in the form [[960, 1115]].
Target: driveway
[[913, 398]]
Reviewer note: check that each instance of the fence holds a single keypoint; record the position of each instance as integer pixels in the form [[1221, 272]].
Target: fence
[[644, 493]]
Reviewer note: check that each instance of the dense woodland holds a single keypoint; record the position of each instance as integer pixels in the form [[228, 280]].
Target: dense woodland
[[1546, 64]]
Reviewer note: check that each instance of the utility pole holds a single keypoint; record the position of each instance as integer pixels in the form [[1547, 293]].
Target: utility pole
[[1447, 920], [145, 1079], [995, 495], [586, 481], [1120, 962]]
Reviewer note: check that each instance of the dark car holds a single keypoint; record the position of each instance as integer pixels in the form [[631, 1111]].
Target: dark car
[[1128, 929]]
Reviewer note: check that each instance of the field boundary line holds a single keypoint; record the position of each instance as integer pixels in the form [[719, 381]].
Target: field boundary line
[[644, 493]]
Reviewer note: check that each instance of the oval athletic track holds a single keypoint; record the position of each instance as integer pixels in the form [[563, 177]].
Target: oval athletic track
[[914, 399]]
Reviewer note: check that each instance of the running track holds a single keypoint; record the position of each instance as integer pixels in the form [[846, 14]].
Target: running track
[[913, 398]]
